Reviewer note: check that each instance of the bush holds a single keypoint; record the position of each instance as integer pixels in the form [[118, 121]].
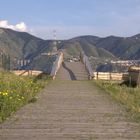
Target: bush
[[17, 91]]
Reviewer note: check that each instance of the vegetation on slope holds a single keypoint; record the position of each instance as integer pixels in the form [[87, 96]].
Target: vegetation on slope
[[17, 91], [86, 44], [128, 96], [121, 47], [24, 46]]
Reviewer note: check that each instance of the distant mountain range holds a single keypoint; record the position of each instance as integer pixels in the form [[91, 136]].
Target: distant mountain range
[[21, 45]]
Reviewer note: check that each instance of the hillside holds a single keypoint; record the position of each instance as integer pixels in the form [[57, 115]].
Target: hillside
[[18, 44], [21, 45], [88, 45], [121, 47]]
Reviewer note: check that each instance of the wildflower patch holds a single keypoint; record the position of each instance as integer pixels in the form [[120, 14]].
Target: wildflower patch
[[16, 91]]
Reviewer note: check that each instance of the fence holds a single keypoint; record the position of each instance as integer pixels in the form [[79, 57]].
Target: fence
[[110, 76], [26, 72], [134, 75]]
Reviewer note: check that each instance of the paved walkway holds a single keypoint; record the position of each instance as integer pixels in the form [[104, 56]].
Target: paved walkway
[[70, 110], [72, 71]]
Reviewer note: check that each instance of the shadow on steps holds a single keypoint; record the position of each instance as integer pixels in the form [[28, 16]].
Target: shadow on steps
[[72, 76]]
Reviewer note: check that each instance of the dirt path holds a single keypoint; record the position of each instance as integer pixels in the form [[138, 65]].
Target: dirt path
[[70, 110]]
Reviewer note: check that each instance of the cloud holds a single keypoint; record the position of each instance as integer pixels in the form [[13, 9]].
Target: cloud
[[18, 27]]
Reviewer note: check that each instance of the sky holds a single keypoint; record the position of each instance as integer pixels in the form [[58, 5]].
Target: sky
[[71, 18]]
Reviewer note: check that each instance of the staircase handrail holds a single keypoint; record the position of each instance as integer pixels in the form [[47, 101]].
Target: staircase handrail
[[57, 64], [87, 64]]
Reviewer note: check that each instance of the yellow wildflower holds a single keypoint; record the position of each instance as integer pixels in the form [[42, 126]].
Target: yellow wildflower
[[5, 93], [10, 97], [22, 97]]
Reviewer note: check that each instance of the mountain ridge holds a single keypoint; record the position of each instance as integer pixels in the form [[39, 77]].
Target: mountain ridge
[[22, 45]]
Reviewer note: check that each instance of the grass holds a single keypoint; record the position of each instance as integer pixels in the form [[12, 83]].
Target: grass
[[17, 91], [128, 96]]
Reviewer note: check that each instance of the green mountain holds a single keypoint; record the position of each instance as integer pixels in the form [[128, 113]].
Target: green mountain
[[23, 46], [121, 47], [88, 45], [109, 47]]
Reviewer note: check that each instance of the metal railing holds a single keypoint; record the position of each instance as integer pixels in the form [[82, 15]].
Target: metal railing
[[87, 64], [57, 65]]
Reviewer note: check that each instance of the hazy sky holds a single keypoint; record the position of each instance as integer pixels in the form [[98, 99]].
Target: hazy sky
[[71, 17]]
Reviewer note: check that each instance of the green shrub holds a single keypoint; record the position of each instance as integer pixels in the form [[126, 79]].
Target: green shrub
[[16, 91]]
